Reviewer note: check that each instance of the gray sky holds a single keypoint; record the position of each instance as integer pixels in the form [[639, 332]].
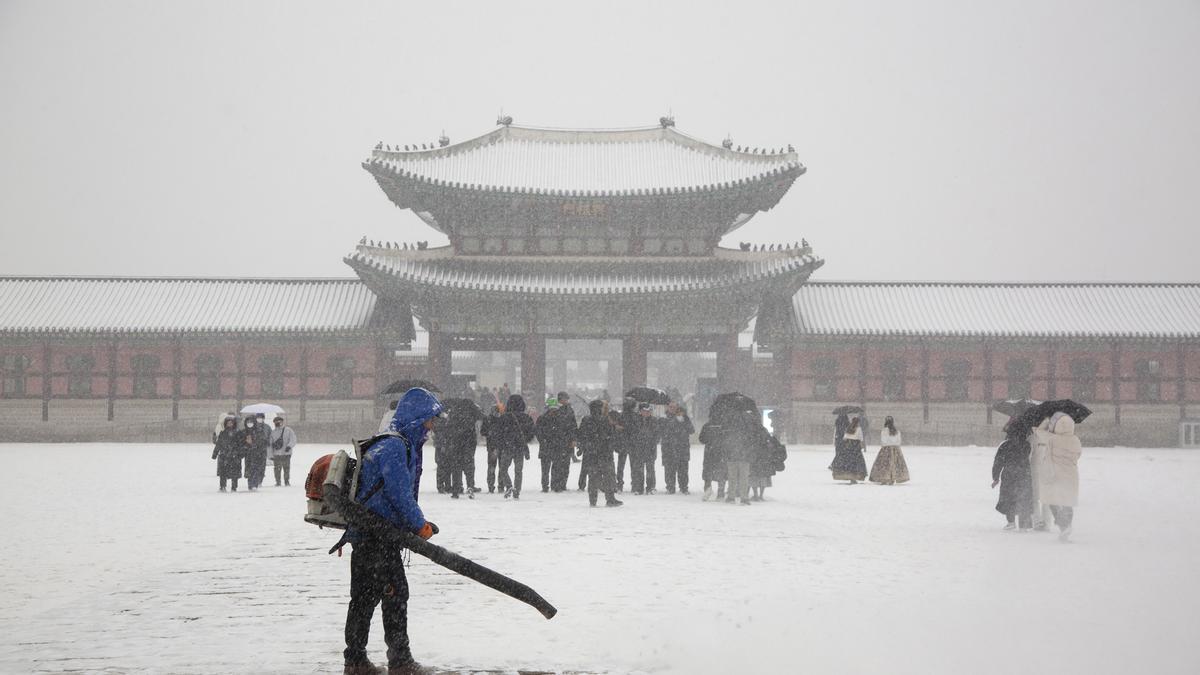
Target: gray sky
[[955, 140]]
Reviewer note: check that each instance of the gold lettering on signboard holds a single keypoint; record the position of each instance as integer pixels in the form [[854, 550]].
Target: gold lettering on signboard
[[587, 209]]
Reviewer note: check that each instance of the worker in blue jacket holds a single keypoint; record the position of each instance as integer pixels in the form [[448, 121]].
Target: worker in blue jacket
[[388, 486]]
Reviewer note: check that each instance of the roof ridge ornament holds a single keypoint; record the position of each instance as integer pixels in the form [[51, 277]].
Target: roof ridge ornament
[[504, 120], [667, 121]]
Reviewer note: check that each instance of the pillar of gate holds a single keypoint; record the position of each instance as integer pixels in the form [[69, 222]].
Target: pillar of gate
[[633, 362], [441, 350], [728, 377], [533, 370]]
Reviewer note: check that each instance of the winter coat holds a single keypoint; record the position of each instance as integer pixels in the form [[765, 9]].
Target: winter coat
[[676, 438], [228, 453], [770, 455], [454, 437], [712, 435], [391, 470], [642, 436], [595, 438], [555, 431], [1011, 468], [1057, 457], [512, 431], [486, 427], [742, 437], [289, 441]]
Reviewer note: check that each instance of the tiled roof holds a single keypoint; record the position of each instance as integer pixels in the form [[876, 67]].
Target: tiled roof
[[175, 305], [582, 276], [1168, 311], [653, 160]]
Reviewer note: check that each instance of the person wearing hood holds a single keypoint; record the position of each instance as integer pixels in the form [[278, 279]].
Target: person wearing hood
[[228, 453], [713, 467], [555, 431], [460, 429], [1056, 456], [595, 436], [677, 430], [1011, 471], [389, 482], [254, 442], [512, 431]]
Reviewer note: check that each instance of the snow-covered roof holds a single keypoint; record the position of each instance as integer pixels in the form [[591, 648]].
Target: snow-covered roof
[[650, 160], [534, 275], [1083, 310], [176, 305]]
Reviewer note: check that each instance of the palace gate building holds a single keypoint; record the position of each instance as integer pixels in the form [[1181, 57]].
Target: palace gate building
[[590, 235]]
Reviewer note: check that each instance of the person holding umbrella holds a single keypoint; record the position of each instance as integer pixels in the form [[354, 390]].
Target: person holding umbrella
[[849, 463], [1057, 455], [1011, 471]]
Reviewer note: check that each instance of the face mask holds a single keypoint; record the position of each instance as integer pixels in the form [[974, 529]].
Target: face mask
[[249, 425]]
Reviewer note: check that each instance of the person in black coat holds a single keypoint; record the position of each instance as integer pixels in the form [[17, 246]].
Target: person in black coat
[[555, 432], [713, 468], [461, 441], [642, 434], [623, 422], [493, 452], [677, 430], [595, 435], [228, 453], [254, 444], [512, 432], [1011, 471]]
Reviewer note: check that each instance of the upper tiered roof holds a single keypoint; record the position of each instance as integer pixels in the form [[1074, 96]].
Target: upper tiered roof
[[586, 162]]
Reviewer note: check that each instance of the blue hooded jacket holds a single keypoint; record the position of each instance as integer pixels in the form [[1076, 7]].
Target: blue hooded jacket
[[396, 461]]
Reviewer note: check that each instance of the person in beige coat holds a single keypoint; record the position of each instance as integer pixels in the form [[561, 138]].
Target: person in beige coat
[[1055, 462]]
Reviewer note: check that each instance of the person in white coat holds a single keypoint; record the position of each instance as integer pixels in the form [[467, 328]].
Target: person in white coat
[[1056, 471], [283, 440]]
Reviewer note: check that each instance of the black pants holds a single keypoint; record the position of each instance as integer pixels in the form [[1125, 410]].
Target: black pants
[[442, 458], [547, 463], [465, 472], [642, 473], [283, 466], [493, 460], [234, 483], [518, 464], [675, 469], [583, 475], [560, 470], [621, 457], [1063, 515], [599, 476], [377, 576]]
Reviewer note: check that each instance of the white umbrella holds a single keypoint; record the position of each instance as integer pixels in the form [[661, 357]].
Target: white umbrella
[[264, 408]]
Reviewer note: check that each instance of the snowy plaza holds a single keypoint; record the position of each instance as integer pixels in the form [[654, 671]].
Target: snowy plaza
[[126, 559]]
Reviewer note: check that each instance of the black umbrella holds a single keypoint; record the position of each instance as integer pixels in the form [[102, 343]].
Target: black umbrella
[[731, 403], [1034, 415], [401, 386], [648, 395], [462, 408], [848, 410], [1014, 407]]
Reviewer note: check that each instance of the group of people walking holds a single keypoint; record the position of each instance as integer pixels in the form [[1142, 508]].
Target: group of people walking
[[849, 461], [243, 452], [1037, 469], [739, 456]]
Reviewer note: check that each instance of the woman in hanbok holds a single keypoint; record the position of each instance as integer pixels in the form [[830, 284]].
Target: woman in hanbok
[[848, 463], [889, 467]]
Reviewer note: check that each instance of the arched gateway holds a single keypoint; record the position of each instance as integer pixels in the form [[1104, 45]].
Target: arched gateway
[[584, 234]]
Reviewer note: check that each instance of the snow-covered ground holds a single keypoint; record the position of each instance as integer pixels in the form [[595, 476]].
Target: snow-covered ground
[[126, 559]]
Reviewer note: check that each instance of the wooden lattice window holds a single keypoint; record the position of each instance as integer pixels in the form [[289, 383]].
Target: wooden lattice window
[[957, 377], [1083, 379], [824, 379], [79, 375], [1149, 380], [208, 376], [270, 374], [14, 367], [341, 376], [1020, 378], [145, 375], [895, 372]]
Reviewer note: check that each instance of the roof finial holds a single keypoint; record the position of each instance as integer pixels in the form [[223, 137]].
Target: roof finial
[[504, 120], [406, 148], [667, 121], [728, 142], [443, 140], [790, 148]]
